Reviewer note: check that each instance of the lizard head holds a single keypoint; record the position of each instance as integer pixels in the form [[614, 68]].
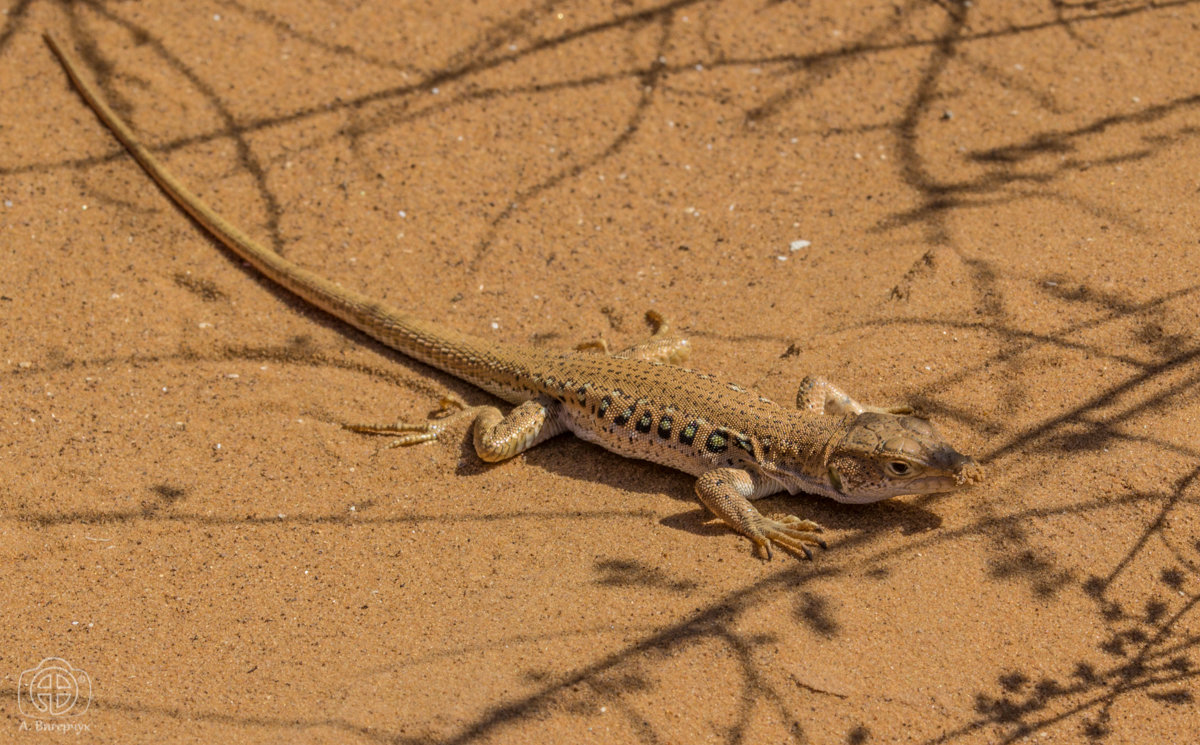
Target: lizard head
[[879, 456]]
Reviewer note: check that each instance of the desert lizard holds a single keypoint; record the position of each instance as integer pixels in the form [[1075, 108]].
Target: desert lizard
[[638, 403]]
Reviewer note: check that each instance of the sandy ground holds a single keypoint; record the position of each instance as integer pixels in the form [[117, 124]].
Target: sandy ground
[[1000, 210]]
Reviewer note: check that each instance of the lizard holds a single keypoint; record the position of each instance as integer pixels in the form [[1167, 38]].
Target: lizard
[[638, 402]]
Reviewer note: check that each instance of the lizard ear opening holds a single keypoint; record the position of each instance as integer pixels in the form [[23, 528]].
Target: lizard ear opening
[[835, 480]]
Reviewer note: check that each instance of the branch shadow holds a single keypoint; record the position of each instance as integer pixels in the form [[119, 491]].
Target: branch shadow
[[1147, 653]]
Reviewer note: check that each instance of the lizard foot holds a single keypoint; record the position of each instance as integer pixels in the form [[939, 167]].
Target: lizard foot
[[450, 409], [726, 493], [792, 533]]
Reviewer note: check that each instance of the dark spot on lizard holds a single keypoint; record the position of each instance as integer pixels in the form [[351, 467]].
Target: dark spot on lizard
[[604, 404], [744, 443], [644, 423], [664, 427], [624, 417], [688, 435], [717, 442]]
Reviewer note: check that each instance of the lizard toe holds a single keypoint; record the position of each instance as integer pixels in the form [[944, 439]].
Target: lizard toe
[[795, 535], [798, 523]]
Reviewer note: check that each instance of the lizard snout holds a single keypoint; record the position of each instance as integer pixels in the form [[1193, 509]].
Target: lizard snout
[[965, 468]]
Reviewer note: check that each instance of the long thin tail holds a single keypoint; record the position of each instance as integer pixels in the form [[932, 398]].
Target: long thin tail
[[341, 302], [456, 353]]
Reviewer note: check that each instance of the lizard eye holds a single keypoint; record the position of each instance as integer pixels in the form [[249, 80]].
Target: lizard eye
[[898, 468]]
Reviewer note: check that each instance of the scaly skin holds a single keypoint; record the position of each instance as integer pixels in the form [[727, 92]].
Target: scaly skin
[[638, 403]]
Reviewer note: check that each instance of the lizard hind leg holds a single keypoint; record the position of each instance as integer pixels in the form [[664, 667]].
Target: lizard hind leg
[[497, 436], [818, 395]]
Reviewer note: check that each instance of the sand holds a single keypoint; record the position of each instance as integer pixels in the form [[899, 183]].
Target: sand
[[990, 211]]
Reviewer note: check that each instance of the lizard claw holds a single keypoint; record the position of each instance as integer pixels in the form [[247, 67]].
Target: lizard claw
[[447, 406], [793, 534], [403, 434]]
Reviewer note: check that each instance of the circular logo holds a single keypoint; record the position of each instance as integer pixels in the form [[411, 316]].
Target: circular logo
[[54, 690]]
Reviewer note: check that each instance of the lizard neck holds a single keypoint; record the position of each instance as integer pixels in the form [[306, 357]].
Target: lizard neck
[[799, 459], [818, 465]]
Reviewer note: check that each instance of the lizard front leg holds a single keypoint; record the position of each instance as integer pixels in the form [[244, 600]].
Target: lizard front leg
[[497, 436], [726, 493], [820, 396]]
